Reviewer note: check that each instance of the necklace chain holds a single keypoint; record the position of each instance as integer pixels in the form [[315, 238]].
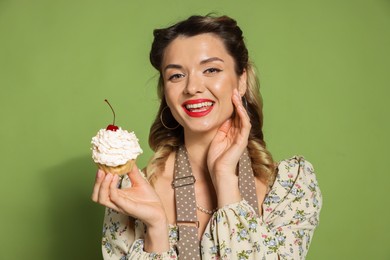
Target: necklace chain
[[209, 212]]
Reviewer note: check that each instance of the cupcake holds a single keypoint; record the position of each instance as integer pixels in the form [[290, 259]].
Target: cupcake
[[115, 150]]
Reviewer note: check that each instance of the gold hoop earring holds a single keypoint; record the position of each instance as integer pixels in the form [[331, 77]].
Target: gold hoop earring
[[162, 120]]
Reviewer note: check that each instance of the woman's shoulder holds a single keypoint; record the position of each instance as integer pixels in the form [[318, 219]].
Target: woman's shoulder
[[295, 186], [294, 167], [295, 178], [296, 172]]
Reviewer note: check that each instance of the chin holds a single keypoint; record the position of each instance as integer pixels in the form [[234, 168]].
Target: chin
[[203, 127]]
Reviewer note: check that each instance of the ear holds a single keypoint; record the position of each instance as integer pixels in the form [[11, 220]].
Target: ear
[[242, 83]]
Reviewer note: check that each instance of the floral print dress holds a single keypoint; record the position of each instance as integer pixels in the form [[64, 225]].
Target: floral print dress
[[284, 230]]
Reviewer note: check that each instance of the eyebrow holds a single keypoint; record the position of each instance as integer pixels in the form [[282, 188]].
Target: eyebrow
[[211, 60], [176, 66], [173, 66]]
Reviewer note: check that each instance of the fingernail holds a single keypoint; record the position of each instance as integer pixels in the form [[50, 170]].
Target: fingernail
[[100, 174]]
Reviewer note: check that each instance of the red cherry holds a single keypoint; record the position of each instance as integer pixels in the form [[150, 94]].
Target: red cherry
[[112, 127]]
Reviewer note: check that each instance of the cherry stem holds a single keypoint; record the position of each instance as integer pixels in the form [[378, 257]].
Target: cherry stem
[[111, 110]]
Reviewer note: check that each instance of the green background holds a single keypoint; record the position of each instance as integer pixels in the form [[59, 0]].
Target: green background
[[324, 69]]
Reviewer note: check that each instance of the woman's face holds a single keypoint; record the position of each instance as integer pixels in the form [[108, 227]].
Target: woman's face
[[199, 78]]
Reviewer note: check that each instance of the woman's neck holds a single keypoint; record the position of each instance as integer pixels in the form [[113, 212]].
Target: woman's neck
[[197, 146]]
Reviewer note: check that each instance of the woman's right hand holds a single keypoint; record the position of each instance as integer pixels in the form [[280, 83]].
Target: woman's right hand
[[139, 201]]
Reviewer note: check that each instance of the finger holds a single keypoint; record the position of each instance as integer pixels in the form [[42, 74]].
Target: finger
[[136, 177], [115, 194], [98, 181], [121, 199], [223, 130], [242, 120], [103, 195], [237, 101], [241, 111], [245, 127]]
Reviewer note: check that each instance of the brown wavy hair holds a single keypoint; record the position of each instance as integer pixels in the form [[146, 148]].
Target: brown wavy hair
[[163, 141]]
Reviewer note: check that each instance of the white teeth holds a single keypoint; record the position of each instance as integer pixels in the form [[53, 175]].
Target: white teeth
[[199, 105]]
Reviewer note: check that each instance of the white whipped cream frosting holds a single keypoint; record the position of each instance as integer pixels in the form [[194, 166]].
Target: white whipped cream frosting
[[114, 148]]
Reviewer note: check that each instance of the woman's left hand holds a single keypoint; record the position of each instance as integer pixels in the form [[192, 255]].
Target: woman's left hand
[[228, 144]]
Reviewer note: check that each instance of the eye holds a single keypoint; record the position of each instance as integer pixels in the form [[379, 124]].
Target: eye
[[175, 77], [212, 71]]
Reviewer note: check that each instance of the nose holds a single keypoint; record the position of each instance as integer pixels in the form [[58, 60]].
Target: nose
[[194, 85]]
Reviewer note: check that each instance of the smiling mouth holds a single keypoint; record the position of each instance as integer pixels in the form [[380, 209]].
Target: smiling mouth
[[198, 109]]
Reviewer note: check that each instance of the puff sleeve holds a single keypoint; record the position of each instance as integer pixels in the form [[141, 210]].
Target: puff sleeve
[[284, 231]]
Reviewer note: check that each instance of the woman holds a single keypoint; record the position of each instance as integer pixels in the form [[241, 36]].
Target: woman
[[213, 190]]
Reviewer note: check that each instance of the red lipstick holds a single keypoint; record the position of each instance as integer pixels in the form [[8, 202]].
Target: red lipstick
[[198, 107]]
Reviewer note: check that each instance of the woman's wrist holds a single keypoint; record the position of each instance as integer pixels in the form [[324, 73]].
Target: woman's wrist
[[156, 238], [227, 190]]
